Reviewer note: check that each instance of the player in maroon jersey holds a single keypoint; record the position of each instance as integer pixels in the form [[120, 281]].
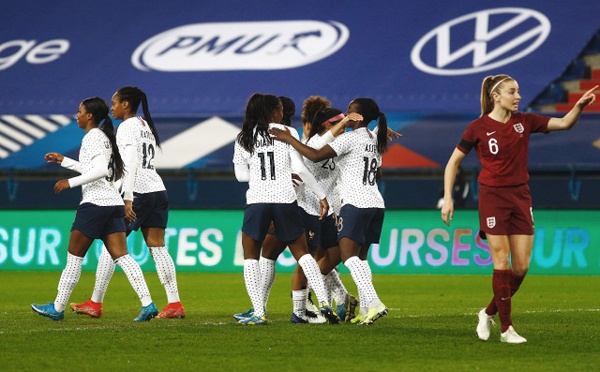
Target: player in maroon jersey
[[500, 138]]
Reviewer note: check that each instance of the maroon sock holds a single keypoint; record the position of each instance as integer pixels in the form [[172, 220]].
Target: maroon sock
[[501, 286], [515, 283]]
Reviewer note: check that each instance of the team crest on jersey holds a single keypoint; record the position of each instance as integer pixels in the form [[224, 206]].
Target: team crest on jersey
[[519, 128], [491, 222]]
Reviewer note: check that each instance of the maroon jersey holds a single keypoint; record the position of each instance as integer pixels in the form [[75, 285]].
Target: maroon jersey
[[502, 148]]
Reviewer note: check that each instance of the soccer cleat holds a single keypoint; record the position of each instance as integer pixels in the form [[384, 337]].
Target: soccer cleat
[[298, 319], [358, 319], [314, 318], [375, 313], [254, 320], [147, 313], [48, 311], [512, 337], [310, 305], [350, 304], [172, 310], [329, 314], [486, 322], [246, 315], [90, 308]]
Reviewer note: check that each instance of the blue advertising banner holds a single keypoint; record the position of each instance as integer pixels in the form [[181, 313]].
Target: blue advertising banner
[[205, 58]]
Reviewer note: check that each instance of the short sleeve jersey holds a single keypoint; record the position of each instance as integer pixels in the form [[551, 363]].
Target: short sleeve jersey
[[503, 148], [326, 173], [99, 192], [270, 169], [136, 132], [358, 161]]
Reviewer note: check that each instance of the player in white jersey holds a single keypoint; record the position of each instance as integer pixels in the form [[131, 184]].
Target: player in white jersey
[[267, 166], [146, 201], [360, 220], [100, 214]]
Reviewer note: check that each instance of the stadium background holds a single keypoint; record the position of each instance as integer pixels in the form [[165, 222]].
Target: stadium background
[[200, 62]]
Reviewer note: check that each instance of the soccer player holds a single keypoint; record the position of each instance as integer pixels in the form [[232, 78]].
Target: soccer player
[[146, 201], [267, 166], [500, 138], [360, 219], [100, 215]]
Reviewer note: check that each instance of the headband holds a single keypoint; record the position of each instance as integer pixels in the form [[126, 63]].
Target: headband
[[498, 83], [335, 118]]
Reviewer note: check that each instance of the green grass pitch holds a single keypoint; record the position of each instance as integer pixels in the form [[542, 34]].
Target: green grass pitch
[[430, 327]]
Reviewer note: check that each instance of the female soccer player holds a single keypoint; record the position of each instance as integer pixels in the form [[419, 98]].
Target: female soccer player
[[360, 219], [146, 201], [267, 166], [501, 139], [100, 214]]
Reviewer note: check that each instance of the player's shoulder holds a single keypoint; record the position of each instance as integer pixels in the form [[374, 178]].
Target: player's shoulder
[[292, 130]]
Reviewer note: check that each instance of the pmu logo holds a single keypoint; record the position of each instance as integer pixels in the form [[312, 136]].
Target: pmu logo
[[481, 41], [270, 45]]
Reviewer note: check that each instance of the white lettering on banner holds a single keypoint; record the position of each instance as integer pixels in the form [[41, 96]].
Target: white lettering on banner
[[437, 247], [44, 52], [227, 46], [3, 247], [389, 259], [412, 240], [509, 41], [29, 252], [185, 246], [213, 248], [50, 240], [238, 258]]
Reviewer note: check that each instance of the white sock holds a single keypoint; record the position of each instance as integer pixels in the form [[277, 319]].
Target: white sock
[[314, 277], [165, 268], [361, 278], [334, 284], [104, 272], [68, 279], [375, 301], [136, 278], [253, 279], [267, 275], [299, 302]]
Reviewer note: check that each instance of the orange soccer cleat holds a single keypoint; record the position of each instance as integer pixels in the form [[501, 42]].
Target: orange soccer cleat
[[172, 310], [90, 308]]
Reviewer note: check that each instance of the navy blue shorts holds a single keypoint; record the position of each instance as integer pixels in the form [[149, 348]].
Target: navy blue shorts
[[151, 209], [329, 233], [96, 221], [362, 225], [286, 218], [312, 227]]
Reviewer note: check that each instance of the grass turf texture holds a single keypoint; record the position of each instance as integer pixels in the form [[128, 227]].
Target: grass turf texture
[[430, 326]]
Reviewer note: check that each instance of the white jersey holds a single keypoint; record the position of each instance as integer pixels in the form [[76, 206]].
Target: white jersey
[[358, 160], [270, 169], [100, 192], [326, 173], [136, 132]]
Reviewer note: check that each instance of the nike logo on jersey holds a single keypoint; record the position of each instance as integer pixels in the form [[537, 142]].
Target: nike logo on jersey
[[490, 133]]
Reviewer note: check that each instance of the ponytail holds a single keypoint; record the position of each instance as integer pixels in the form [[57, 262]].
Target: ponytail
[[489, 85], [99, 110], [369, 110], [135, 96], [257, 116]]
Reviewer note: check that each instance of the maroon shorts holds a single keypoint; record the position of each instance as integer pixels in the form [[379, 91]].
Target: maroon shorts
[[505, 210]]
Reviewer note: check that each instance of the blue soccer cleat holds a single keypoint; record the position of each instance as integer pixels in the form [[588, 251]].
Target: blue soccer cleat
[[340, 310], [147, 313], [298, 319], [48, 311], [242, 316]]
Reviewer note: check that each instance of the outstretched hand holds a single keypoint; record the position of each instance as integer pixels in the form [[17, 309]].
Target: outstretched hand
[[588, 97], [54, 157], [391, 134]]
